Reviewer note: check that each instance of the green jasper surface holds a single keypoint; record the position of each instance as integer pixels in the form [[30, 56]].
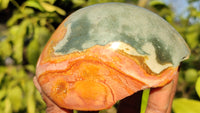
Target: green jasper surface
[[106, 23]]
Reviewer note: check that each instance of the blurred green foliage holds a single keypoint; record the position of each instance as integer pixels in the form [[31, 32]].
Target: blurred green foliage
[[28, 24]]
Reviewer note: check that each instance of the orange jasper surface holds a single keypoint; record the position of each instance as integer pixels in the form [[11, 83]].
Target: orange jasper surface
[[104, 53], [97, 78]]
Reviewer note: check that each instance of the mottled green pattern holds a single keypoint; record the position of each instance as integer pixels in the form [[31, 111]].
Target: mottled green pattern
[[105, 23]]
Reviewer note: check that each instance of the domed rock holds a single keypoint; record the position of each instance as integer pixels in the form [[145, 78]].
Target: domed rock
[[103, 53]]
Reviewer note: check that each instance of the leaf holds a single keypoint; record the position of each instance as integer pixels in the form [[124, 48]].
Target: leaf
[[30, 97], [145, 97], [13, 20], [30, 68], [8, 107], [197, 86], [60, 11], [192, 39], [48, 7], [15, 96], [2, 73], [18, 40], [42, 34], [27, 11], [21, 74], [17, 15], [183, 105], [156, 2], [4, 4], [34, 4], [43, 21], [13, 31], [31, 103], [78, 2], [75, 111], [5, 48], [33, 52], [52, 8], [50, 1], [11, 71], [2, 105], [192, 36], [39, 98], [2, 93], [193, 11]]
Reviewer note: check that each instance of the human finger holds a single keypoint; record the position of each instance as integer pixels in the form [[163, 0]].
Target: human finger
[[175, 82], [160, 99]]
